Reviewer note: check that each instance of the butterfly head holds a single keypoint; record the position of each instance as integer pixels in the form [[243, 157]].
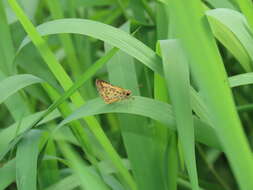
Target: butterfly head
[[127, 93]]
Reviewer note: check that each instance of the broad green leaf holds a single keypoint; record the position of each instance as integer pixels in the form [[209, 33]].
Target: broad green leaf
[[145, 107], [178, 82], [230, 27], [7, 174], [120, 69], [110, 35], [191, 26]]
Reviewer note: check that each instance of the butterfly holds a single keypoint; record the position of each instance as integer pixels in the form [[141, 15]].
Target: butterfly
[[111, 93]]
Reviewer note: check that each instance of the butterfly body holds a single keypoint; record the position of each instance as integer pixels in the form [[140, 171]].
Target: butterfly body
[[111, 93]]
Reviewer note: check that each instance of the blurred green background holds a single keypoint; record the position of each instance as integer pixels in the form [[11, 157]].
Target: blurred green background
[[188, 124]]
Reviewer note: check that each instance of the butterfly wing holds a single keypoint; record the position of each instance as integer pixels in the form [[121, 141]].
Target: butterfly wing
[[110, 93]]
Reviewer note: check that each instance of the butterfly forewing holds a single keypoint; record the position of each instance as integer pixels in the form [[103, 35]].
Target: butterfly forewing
[[111, 93]]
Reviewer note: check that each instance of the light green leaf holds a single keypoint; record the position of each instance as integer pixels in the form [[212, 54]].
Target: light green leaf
[[7, 174], [230, 27], [88, 179], [14, 83], [107, 33], [240, 80], [176, 67], [121, 68], [145, 107], [26, 161]]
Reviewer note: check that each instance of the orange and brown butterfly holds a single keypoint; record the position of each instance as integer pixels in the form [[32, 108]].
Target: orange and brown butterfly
[[111, 93]]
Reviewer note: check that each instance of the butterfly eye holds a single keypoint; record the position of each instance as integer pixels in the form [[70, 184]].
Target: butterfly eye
[[128, 93]]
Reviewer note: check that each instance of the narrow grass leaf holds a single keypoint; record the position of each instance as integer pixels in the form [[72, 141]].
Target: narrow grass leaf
[[88, 3], [7, 51], [66, 82], [26, 161], [88, 178], [137, 10], [67, 183], [166, 138], [66, 40], [109, 34], [49, 171], [9, 133], [172, 159], [7, 67], [240, 80], [12, 84], [178, 82]]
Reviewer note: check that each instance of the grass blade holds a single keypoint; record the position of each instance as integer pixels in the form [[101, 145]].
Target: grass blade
[[7, 174], [144, 107], [15, 83], [240, 80], [111, 35], [229, 28], [178, 82], [89, 179], [121, 68], [210, 76], [26, 161], [66, 83]]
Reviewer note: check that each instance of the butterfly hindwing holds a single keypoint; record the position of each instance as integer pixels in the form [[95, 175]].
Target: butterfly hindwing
[[111, 93]]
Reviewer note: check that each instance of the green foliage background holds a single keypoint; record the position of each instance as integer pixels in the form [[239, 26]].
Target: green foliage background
[[186, 126]]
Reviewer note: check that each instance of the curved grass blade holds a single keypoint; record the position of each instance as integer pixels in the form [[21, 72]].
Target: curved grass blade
[[107, 33], [66, 82], [240, 80], [88, 178], [207, 68], [230, 28], [87, 75], [9, 133], [121, 69], [145, 107], [113, 36], [15, 83]]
